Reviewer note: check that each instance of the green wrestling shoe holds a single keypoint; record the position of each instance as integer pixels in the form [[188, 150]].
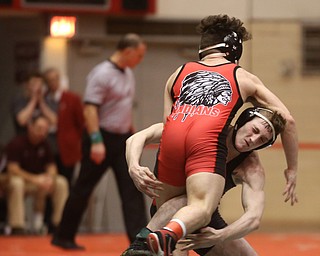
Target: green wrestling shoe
[[139, 247]]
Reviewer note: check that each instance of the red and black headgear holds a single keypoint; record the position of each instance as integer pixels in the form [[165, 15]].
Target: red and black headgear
[[231, 47]]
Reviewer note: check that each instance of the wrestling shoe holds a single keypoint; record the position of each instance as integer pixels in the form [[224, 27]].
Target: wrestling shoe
[[138, 247], [162, 242]]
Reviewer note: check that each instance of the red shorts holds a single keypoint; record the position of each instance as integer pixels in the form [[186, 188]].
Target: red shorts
[[190, 147]]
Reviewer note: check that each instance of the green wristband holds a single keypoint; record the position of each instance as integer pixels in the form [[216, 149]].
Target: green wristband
[[96, 137]]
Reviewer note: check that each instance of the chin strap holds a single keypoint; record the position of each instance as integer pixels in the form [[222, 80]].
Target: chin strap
[[212, 51], [234, 133], [231, 47]]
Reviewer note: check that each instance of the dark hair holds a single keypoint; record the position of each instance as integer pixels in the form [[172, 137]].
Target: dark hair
[[213, 29], [33, 74], [129, 40], [276, 119]]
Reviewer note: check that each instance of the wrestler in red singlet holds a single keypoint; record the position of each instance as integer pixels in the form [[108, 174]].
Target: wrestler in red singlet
[[205, 100]]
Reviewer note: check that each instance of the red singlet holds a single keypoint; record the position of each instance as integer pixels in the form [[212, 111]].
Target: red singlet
[[206, 99]]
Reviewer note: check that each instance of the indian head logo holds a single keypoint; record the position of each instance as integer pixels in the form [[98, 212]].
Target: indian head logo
[[200, 92]]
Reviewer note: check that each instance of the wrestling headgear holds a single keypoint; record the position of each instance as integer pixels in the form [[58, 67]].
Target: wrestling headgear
[[246, 116], [231, 47]]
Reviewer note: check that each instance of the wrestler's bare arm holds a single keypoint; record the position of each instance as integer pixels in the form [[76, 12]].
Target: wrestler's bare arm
[[251, 175], [143, 178], [252, 89]]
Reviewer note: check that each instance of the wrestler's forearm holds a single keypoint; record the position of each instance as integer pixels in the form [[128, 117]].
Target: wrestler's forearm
[[136, 143], [248, 222], [134, 148], [240, 228], [289, 140]]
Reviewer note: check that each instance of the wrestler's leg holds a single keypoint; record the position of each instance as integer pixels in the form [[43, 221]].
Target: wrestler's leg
[[168, 193], [164, 214], [159, 219], [204, 190], [238, 247]]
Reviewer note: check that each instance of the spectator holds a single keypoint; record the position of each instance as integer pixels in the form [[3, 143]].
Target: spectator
[[31, 103], [108, 116], [65, 136], [31, 169]]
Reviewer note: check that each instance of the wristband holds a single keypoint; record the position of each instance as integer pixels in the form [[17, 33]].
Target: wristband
[[96, 137]]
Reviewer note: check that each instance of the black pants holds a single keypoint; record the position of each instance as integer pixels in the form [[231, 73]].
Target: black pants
[[64, 170], [133, 204]]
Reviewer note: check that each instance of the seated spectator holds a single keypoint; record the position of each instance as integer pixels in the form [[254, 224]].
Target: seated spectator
[[31, 170], [29, 104]]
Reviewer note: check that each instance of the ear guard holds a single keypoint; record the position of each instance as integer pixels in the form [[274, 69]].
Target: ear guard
[[246, 116], [231, 48]]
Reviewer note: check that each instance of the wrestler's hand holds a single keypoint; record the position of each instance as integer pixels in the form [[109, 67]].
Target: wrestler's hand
[[145, 180], [290, 189], [97, 152], [206, 238]]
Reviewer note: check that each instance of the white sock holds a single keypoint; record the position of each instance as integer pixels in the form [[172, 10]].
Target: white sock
[[38, 220]]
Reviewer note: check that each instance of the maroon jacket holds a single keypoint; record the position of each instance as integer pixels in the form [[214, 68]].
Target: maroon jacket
[[70, 127]]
